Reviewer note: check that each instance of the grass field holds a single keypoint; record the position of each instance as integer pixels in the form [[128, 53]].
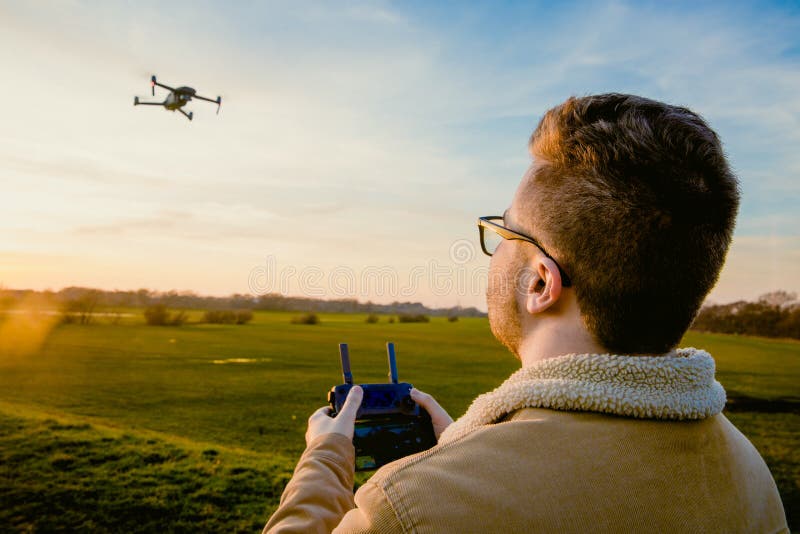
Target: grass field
[[111, 427]]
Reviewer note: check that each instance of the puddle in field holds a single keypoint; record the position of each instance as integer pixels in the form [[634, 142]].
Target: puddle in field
[[241, 360]]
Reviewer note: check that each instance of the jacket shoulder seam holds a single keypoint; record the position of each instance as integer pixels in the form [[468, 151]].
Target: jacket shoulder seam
[[397, 507]]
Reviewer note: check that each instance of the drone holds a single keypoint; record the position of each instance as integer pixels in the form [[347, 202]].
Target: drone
[[176, 99]]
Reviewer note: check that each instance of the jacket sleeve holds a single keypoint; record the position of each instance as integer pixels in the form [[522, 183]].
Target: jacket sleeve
[[319, 497], [374, 513], [321, 490]]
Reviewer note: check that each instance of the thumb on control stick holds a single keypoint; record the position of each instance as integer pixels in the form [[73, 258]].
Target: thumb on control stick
[[321, 422], [351, 404]]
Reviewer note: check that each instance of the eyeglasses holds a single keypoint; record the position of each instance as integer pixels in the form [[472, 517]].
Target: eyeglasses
[[496, 233]]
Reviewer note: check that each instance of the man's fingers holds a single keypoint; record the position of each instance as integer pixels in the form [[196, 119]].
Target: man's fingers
[[438, 414], [352, 403], [430, 404]]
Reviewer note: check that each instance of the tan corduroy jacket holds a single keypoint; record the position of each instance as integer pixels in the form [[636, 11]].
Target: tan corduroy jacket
[[542, 470], [575, 443]]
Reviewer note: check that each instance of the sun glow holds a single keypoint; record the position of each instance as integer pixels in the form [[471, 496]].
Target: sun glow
[[26, 327]]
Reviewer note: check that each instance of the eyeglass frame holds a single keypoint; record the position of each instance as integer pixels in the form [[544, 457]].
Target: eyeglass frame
[[510, 235]]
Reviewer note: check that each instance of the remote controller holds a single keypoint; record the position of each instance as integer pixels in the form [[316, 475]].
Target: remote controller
[[389, 424]]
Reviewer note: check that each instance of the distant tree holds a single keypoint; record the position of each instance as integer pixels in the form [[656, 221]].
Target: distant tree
[[777, 298], [156, 315], [372, 318], [452, 318], [244, 316], [413, 318], [219, 317], [306, 318], [228, 316], [80, 309], [159, 315]]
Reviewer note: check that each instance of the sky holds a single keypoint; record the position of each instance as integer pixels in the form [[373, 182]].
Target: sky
[[357, 141]]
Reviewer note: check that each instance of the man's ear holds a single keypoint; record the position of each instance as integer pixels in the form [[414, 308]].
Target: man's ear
[[541, 286]]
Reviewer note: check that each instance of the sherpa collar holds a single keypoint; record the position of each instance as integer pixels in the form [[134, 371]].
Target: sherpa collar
[[676, 385]]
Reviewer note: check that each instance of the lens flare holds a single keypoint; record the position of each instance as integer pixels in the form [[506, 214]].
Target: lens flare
[[25, 327]]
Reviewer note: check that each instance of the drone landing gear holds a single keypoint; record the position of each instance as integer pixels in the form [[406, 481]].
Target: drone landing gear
[[187, 115]]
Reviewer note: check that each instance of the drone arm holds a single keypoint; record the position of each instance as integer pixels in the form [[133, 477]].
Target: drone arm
[[207, 99], [167, 87], [218, 101], [148, 104]]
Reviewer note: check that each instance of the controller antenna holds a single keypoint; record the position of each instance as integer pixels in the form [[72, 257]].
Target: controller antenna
[[392, 362], [344, 354]]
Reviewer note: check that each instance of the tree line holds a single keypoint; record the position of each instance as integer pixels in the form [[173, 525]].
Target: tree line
[[775, 314], [82, 301]]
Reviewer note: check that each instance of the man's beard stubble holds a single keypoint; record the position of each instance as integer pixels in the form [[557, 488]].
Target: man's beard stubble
[[501, 301]]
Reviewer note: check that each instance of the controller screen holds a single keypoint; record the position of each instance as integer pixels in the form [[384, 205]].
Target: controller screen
[[379, 398], [379, 442]]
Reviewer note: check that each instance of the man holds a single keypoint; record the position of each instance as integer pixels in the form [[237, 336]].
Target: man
[[616, 233]]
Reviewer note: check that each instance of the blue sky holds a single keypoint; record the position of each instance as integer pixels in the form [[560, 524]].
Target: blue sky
[[356, 136]]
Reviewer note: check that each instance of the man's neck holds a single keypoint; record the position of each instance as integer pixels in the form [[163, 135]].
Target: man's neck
[[552, 340]]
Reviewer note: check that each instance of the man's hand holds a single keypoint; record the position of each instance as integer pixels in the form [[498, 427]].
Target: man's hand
[[439, 417], [321, 423]]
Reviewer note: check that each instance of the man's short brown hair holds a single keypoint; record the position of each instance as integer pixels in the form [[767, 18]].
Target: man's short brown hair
[[639, 203]]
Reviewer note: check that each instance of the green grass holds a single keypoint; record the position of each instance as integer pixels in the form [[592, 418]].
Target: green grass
[[756, 367], [158, 391], [69, 475], [165, 378]]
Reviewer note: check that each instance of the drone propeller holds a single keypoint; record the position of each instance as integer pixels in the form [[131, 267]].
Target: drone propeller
[[153, 84], [219, 103]]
